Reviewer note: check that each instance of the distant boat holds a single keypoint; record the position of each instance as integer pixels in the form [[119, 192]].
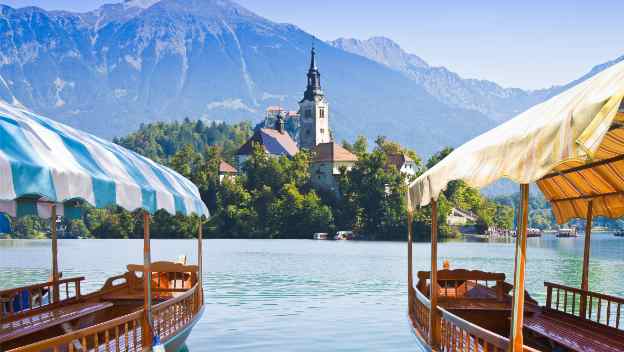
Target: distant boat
[[567, 232], [344, 235], [533, 232], [619, 233], [320, 236]]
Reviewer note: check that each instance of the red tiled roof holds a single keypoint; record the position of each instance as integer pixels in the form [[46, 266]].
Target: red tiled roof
[[332, 152], [226, 168]]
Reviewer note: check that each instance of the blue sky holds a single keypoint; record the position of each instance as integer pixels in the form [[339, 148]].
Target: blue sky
[[527, 44]]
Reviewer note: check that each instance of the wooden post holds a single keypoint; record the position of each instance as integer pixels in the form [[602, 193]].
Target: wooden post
[[147, 332], [56, 294], [434, 318], [585, 277], [410, 276], [200, 259], [517, 315]]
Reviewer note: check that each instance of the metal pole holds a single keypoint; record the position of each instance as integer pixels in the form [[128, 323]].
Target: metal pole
[[410, 276], [55, 272], [586, 252], [517, 316], [434, 319], [148, 326]]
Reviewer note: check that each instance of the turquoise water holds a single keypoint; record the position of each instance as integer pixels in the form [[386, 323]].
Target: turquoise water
[[304, 295]]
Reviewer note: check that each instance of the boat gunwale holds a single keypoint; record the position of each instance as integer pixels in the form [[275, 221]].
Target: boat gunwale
[[488, 336], [103, 326]]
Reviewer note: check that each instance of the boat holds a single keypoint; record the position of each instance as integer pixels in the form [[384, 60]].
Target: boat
[[344, 236], [618, 233], [152, 305], [572, 147], [320, 236], [567, 232], [534, 232]]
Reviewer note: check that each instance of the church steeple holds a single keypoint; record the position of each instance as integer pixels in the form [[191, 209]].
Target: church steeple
[[313, 110], [314, 79]]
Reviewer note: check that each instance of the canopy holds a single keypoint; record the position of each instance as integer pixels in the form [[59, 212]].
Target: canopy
[[571, 145], [44, 162]]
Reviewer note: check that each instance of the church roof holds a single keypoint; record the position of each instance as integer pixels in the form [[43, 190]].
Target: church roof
[[332, 152], [226, 168], [273, 142]]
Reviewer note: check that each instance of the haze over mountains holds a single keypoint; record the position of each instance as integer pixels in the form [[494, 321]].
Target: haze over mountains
[[108, 70]]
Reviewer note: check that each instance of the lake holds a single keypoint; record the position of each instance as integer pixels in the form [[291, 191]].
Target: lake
[[305, 295]]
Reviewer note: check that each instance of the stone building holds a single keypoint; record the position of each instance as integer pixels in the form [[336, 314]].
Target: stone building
[[327, 160]]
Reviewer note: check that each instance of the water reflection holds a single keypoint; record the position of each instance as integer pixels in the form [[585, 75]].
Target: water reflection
[[304, 295]]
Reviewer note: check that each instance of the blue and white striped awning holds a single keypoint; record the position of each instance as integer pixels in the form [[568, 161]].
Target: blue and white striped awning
[[51, 163]]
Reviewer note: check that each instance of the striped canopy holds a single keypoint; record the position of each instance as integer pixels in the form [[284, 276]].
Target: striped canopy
[[43, 162]]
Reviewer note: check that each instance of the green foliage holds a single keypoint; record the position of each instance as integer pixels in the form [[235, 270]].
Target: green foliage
[[273, 197], [161, 140]]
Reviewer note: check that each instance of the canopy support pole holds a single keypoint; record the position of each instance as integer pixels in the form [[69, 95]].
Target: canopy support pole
[[434, 319], [200, 254], [517, 316], [585, 278], [147, 328], [410, 277], [56, 294]]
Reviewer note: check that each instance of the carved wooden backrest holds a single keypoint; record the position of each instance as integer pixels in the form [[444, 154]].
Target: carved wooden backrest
[[458, 275]]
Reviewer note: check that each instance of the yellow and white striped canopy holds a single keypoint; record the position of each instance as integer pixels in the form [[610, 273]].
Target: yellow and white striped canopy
[[572, 145]]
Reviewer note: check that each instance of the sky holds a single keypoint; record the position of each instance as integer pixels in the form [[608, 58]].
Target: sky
[[528, 44]]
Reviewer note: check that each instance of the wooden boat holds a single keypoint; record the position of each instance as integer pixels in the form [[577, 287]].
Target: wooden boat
[[321, 236], [578, 170], [151, 304], [567, 232]]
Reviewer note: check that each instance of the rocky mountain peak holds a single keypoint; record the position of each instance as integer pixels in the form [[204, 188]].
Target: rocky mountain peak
[[382, 50]]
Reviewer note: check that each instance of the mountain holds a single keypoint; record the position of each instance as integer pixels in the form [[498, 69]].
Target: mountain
[[482, 96], [111, 69]]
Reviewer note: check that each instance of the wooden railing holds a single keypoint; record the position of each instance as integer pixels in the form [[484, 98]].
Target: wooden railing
[[599, 308], [124, 334], [120, 334], [23, 300], [457, 334], [172, 315]]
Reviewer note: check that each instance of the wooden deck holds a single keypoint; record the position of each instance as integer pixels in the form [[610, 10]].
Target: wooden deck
[[44, 320], [574, 334]]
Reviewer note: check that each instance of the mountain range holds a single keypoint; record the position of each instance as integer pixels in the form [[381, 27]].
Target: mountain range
[[109, 70]]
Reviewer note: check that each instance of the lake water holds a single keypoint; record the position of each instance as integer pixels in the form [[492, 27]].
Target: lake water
[[305, 295]]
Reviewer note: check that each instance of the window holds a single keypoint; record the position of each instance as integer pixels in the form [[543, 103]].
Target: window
[[322, 112], [322, 130]]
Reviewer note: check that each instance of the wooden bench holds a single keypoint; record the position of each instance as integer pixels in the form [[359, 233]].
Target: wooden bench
[[43, 320], [575, 334]]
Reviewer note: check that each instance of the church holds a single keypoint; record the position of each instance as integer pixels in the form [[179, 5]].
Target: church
[[313, 134]]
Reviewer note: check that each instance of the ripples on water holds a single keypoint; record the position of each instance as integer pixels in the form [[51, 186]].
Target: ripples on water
[[304, 295]]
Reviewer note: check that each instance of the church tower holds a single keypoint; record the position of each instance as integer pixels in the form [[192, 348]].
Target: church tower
[[313, 111]]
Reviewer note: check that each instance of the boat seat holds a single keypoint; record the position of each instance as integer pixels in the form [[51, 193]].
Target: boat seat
[[40, 321], [574, 334]]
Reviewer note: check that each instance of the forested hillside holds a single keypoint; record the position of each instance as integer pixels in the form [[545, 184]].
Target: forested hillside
[[273, 197]]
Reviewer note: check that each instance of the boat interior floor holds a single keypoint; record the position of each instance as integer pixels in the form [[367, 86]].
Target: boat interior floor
[[554, 329]]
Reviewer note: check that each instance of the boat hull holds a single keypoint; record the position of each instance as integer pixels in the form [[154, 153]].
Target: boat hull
[[177, 341]]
